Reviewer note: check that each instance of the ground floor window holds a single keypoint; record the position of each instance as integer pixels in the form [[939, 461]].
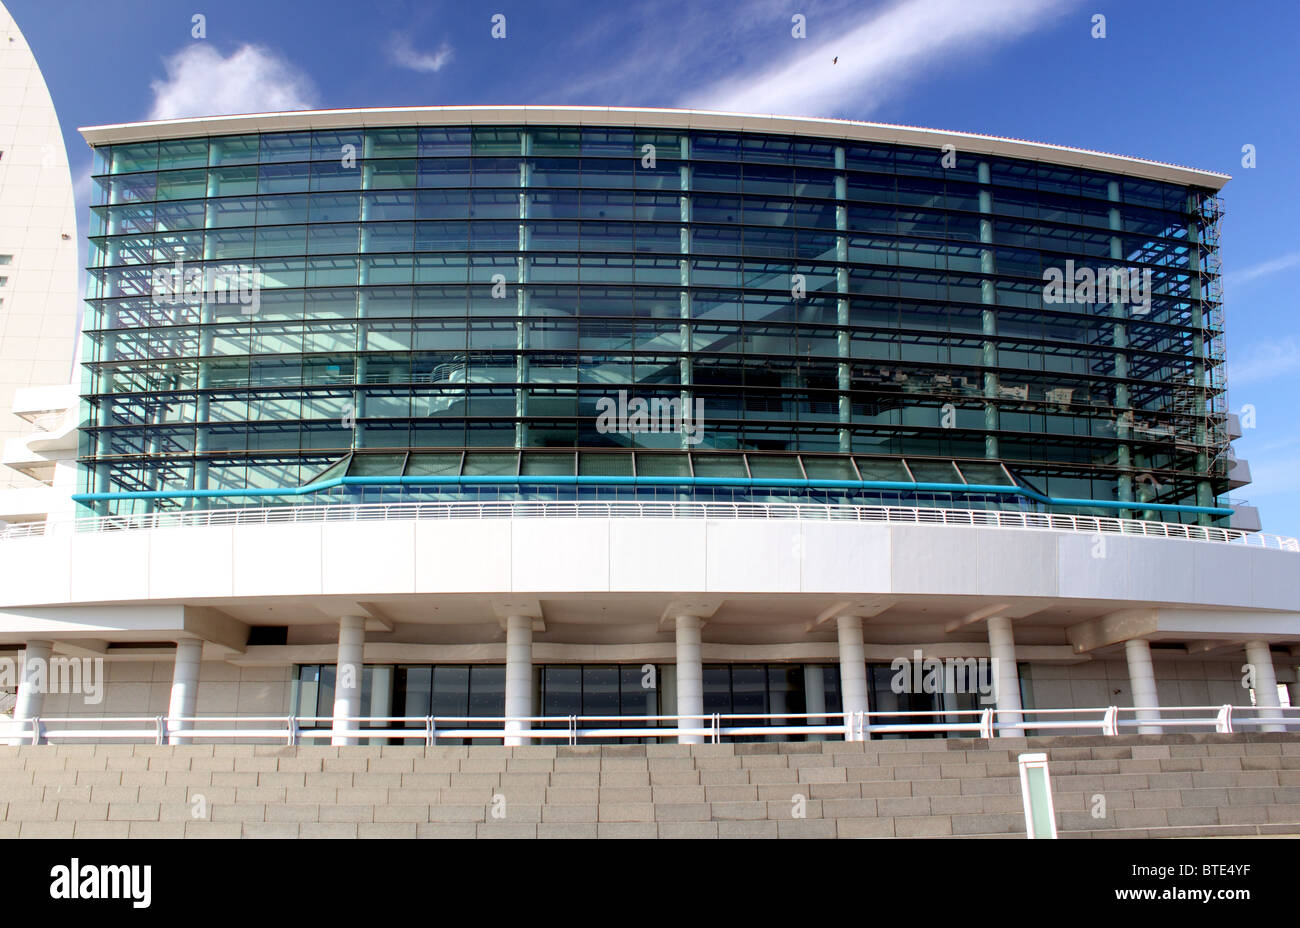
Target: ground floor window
[[623, 691]]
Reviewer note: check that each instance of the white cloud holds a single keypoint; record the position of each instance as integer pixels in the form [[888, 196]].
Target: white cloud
[[1263, 361], [252, 79], [874, 55], [403, 55], [1263, 269]]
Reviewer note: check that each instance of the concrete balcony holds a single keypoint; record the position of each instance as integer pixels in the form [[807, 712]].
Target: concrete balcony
[[32, 403], [1245, 518], [53, 413], [1238, 473], [1232, 425], [27, 504]]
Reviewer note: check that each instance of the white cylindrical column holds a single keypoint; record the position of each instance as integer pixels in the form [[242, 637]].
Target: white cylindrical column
[[1260, 657], [690, 677], [32, 685], [347, 679], [853, 664], [519, 675], [1002, 649], [1142, 680], [185, 685]]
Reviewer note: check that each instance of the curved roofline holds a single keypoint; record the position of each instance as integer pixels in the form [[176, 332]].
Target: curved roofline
[[662, 118]]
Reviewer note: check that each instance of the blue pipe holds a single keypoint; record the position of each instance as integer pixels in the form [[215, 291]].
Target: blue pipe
[[590, 480]]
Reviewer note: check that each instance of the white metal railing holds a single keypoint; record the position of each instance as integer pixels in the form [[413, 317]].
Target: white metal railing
[[593, 509], [714, 727]]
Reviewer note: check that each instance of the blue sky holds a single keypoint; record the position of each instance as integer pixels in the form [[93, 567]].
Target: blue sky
[[1186, 81]]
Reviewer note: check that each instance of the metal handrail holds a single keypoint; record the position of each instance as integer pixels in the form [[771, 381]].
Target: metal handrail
[[851, 726], [907, 515]]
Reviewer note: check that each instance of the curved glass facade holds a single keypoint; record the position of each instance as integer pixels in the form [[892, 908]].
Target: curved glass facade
[[495, 302]]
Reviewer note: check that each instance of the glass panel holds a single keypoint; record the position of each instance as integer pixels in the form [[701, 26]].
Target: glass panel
[[987, 474], [748, 688], [285, 146], [883, 469], [444, 141], [451, 691], [605, 465], [562, 690], [234, 149], [542, 464], [600, 690], [933, 471], [376, 465], [415, 684], [182, 153], [719, 465], [487, 690], [433, 465], [139, 156], [480, 463], [662, 465], [829, 468], [392, 143], [639, 692], [774, 466], [717, 688]]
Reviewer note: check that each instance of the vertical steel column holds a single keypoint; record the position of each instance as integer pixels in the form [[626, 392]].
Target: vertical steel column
[[988, 317], [843, 318], [685, 368], [521, 290], [1119, 340]]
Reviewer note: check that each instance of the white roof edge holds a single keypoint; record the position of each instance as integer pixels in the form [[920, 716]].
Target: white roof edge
[[642, 116]]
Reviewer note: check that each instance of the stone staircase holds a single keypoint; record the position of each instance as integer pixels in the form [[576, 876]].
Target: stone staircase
[[1130, 786]]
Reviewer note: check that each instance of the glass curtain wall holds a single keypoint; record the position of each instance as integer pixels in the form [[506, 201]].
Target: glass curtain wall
[[261, 306]]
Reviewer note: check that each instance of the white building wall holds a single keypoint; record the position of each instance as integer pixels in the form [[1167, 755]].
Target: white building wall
[[143, 688], [1106, 683], [38, 229]]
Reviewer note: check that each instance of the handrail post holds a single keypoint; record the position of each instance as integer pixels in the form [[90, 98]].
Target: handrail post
[[573, 729], [36, 729], [292, 730], [160, 725], [1223, 722], [717, 728], [849, 733], [1110, 721], [986, 724], [430, 731]]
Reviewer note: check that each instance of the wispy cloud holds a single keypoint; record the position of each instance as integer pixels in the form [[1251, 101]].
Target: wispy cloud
[[1263, 361], [644, 55], [402, 54], [202, 82], [875, 54], [1263, 269]]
